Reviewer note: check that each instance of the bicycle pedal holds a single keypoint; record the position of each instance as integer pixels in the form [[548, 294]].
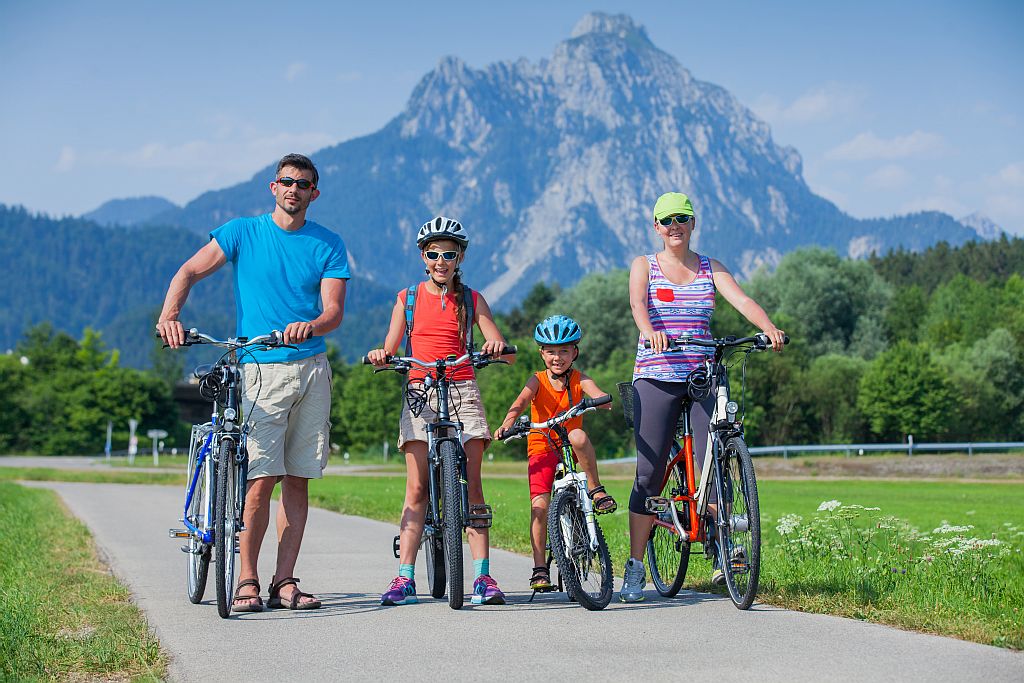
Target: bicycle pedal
[[480, 517], [657, 504], [179, 533]]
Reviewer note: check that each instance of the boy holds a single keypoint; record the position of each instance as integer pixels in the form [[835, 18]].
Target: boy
[[549, 393]]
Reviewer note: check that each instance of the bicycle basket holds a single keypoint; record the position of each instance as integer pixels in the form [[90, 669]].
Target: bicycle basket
[[626, 396]]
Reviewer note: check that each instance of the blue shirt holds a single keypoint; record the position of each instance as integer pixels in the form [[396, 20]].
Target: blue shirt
[[277, 277]]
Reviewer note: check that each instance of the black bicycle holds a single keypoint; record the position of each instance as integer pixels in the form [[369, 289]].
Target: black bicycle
[[575, 539], [218, 466], [448, 512], [733, 536]]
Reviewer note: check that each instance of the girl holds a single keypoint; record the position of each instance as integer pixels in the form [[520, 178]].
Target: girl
[[440, 328], [672, 293]]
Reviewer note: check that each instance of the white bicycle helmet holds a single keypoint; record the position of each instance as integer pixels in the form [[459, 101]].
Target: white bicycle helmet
[[441, 228]]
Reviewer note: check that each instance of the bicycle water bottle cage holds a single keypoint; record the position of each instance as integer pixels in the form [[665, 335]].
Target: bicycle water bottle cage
[[416, 398], [698, 384], [480, 516]]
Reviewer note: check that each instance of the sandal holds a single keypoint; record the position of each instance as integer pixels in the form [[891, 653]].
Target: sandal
[[249, 606], [275, 601], [541, 579], [604, 505]]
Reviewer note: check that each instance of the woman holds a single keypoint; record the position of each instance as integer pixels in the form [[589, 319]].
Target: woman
[[672, 293]]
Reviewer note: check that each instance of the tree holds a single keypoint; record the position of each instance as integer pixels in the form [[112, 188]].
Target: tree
[[600, 304], [905, 392], [831, 383], [521, 320]]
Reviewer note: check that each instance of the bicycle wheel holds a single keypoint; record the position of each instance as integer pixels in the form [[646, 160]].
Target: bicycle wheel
[[199, 514], [587, 572], [224, 521], [739, 528], [451, 516], [433, 548], [667, 553]]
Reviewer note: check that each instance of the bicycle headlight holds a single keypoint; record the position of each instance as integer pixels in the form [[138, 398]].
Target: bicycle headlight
[[230, 414], [731, 408]]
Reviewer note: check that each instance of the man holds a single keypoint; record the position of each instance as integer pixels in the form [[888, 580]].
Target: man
[[290, 274]]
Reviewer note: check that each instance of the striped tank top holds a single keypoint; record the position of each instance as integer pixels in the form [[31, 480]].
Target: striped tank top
[[676, 310]]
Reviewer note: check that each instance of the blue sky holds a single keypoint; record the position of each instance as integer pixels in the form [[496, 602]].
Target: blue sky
[[894, 106]]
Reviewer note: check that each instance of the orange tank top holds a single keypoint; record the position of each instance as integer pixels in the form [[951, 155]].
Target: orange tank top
[[435, 330], [549, 402]]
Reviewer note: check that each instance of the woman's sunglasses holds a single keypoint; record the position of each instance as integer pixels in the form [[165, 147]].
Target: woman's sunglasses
[[446, 255], [302, 183], [681, 220]]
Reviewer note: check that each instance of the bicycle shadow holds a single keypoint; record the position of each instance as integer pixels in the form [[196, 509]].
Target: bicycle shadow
[[331, 605], [559, 600]]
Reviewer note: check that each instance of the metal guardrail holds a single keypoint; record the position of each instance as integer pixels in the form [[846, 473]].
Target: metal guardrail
[[861, 448]]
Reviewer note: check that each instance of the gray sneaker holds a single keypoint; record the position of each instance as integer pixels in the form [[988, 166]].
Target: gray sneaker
[[635, 578]]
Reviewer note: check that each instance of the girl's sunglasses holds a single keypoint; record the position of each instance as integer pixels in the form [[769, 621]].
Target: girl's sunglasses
[[302, 183], [446, 255], [681, 220]]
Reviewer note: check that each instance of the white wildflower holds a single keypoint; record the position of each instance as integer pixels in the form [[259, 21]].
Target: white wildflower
[[948, 528], [829, 505], [788, 524]]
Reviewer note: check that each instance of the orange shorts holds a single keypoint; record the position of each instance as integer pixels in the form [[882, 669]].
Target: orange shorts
[[541, 468]]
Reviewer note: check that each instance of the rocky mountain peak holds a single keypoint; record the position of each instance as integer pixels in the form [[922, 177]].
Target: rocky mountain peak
[[619, 25]]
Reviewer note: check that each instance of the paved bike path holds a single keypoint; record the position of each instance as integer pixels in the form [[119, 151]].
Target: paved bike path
[[347, 562]]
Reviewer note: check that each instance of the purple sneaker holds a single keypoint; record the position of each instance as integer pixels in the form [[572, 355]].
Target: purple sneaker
[[401, 592], [486, 591]]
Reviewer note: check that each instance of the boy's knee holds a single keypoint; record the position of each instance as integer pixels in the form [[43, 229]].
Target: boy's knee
[[579, 439]]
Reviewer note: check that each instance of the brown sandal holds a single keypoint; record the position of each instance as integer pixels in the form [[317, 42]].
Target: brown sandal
[[248, 606], [276, 602]]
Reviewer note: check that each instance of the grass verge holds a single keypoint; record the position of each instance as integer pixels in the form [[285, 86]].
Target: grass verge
[[62, 615]]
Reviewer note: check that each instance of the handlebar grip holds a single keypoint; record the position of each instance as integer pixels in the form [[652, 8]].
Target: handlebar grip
[[364, 360], [510, 350], [589, 402], [276, 337]]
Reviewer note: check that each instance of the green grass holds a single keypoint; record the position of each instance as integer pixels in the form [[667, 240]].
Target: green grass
[[62, 615], [982, 601], [91, 476]]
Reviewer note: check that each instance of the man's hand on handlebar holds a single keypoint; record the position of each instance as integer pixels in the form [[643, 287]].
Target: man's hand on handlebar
[[777, 338], [172, 332], [298, 332]]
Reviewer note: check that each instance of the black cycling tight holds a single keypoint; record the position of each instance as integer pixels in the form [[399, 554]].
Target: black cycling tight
[[656, 408]]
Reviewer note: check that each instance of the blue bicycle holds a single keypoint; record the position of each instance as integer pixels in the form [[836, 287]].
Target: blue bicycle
[[218, 465]]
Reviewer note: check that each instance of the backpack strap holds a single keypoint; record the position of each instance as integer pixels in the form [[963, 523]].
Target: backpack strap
[[467, 297], [410, 308]]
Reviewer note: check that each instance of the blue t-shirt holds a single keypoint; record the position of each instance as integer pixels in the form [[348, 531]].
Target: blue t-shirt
[[277, 277]]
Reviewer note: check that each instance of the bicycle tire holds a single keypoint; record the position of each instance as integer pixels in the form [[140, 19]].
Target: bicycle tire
[[587, 573], [739, 549], [668, 554], [451, 516], [200, 507], [224, 535]]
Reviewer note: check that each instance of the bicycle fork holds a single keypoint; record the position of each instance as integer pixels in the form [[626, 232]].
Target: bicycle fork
[[579, 481]]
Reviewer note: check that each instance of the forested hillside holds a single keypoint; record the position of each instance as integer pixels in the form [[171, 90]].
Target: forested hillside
[[927, 344]]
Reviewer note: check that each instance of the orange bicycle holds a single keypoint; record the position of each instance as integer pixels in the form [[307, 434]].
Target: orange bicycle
[[731, 535]]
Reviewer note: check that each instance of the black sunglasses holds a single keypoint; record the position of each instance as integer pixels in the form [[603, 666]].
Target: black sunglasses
[[446, 255], [682, 219], [303, 183]]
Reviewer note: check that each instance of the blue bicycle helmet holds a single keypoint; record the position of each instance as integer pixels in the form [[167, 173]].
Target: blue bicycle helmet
[[558, 329]]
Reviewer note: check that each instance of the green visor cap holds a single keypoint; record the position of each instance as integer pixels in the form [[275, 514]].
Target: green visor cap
[[672, 204]]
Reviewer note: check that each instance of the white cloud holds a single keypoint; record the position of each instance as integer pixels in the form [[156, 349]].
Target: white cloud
[[66, 160], [888, 177], [868, 146], [295, 70], [1011, 176], [819, 104]]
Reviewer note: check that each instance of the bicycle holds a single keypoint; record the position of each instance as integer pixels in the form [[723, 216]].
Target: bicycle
[[448, 510], [575, 539], [733, 537], [218, 465]]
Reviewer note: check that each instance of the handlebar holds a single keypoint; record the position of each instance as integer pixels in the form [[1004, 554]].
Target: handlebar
[[760, 342], [477, 358], [523, 426], [274, 339]]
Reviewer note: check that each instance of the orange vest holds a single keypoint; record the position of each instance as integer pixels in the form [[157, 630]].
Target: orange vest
[[550, 402]]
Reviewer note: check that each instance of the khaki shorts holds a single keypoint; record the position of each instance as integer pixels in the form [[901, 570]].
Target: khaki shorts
[[466, 406], [291, 420]]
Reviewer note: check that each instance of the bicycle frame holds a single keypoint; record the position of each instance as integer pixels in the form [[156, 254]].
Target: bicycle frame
[[446, 427], [571, 476]]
